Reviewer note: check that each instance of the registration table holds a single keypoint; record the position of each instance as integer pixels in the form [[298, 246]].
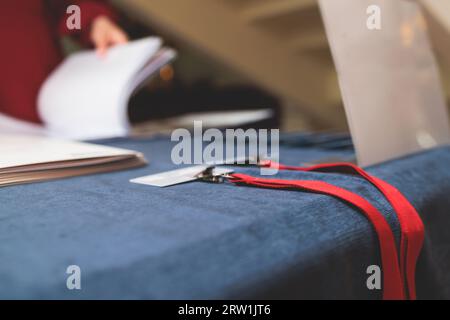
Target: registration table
[[209, 241]]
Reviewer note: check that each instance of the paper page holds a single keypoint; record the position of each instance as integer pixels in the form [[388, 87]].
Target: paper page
[[388, 77], [223, 118], [214, 119], [19, 150], [15, 126], [86, 96]]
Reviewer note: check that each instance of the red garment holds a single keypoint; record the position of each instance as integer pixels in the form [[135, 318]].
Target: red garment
[[29, 32]]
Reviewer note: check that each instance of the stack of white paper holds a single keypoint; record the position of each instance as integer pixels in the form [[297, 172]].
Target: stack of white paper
[[27, 159]]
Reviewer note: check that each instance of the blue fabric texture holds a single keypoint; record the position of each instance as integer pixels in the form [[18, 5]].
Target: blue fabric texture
[[210, 241]]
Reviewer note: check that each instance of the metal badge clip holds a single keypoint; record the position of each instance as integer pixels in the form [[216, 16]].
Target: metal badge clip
[[214, 174]]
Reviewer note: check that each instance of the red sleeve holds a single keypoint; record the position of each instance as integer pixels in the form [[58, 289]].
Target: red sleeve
[[89, 9]]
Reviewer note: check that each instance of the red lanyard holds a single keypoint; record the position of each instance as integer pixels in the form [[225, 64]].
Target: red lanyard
[[412, 229]]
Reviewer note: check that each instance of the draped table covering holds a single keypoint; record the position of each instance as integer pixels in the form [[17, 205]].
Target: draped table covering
[[211, 241]]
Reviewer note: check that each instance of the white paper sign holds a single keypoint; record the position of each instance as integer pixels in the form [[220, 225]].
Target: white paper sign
[[388, 77]]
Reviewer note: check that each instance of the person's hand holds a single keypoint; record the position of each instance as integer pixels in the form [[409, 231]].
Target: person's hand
[[105, 33]]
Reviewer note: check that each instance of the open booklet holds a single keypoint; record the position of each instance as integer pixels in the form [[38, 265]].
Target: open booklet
[[86, 97], [27, 159]]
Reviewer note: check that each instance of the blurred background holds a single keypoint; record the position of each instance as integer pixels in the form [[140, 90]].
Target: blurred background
[[244, 54]]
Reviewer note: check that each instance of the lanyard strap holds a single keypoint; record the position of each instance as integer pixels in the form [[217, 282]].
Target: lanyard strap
[[411, 225], [392, 279]]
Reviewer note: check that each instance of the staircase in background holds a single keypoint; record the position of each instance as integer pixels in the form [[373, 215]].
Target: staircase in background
[[279, 44]]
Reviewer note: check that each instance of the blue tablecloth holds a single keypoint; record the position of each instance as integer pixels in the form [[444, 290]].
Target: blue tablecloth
[[201, 240]]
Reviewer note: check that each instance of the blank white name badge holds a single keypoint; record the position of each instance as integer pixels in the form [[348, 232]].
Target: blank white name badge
[[183, 175], [388, 77]]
